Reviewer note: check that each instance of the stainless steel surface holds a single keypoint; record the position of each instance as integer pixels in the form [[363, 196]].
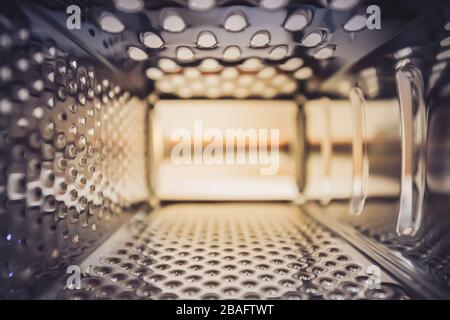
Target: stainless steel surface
[[230, 251], [72, 153], [369, 173]]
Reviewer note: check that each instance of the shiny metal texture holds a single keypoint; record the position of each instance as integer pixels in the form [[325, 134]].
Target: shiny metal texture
[[359, 209]]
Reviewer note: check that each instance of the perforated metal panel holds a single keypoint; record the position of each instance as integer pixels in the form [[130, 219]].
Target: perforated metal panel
[[229, 251], [429, 252], [72, 147], [73, 158]]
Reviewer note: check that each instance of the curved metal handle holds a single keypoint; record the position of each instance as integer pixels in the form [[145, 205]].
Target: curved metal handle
[[326, 148], [413, 137], [359, 150]]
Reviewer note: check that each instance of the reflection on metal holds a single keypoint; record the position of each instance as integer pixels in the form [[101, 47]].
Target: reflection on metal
[[360, 159], [220, 177], [438, 150], [230, 251], [413, 132], [326, 148], [300, 152]]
